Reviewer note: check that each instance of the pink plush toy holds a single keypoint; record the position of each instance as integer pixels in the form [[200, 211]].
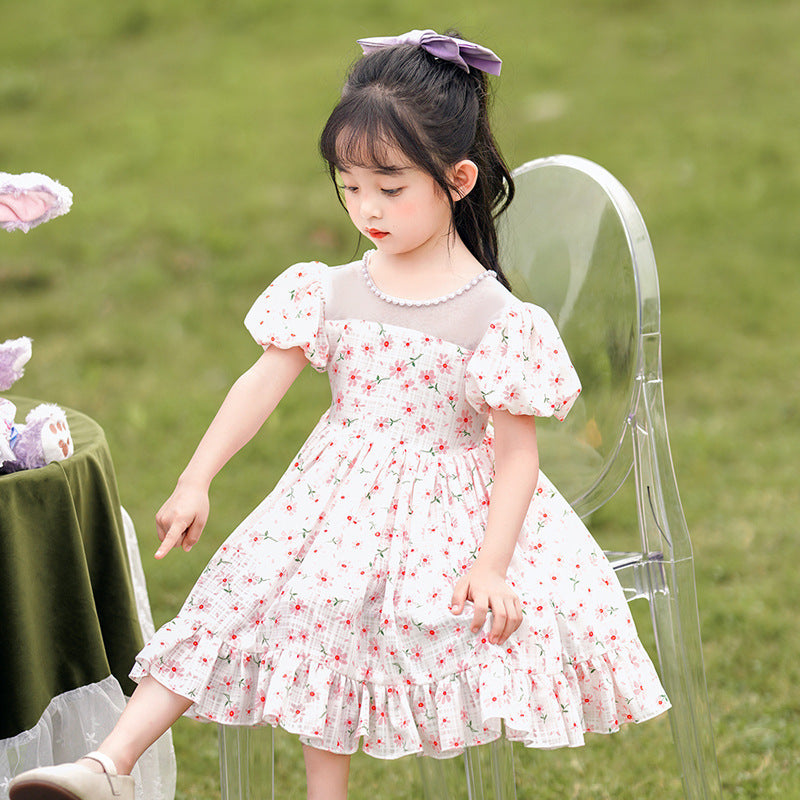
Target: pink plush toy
[[28, 200]]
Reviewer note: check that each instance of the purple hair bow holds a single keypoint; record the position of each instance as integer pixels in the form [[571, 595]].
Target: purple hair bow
[[448, 48]]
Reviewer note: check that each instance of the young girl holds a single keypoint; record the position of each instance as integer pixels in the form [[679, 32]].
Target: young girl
[[414, 583]]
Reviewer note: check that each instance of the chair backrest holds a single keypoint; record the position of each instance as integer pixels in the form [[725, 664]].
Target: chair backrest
[[574, 242]]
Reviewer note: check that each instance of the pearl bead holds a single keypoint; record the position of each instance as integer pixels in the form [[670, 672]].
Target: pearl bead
[[433, 301]]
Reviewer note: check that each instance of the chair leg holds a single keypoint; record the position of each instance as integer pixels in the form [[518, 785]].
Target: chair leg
[[482, 773], [246, 763], [673, 597], [677, 631]]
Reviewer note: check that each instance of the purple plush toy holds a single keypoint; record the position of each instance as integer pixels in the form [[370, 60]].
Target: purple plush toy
[[45, 435], [28, 200]]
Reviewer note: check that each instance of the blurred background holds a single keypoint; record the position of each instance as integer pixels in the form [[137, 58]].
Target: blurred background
[[187, 132]]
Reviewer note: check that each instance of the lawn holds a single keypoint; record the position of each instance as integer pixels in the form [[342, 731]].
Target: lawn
[[187, 132]]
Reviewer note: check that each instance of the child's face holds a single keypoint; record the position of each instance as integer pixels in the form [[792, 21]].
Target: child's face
[[400, 208]]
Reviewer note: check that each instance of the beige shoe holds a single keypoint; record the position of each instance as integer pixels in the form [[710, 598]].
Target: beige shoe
[[73, 782]]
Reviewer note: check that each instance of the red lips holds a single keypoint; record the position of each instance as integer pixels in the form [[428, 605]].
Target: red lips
[[374, 233]]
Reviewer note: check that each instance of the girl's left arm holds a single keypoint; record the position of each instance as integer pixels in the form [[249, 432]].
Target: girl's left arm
[[515, 478]]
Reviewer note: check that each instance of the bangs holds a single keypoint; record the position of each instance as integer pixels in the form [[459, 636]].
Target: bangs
[[369, 149], [368, 130]]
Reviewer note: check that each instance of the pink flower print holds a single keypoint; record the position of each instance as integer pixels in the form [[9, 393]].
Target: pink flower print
[[553, 384], [427, 376], [552, 352], [175, 670], [440, 446], [511, 394], [547, 634], [322, 576], [383, 424], [408, 408], [346, 619], [367, 349], [399, 369], [353, 376], [368, 386], [386, 342], [407, 385], [444, 364], [424, 425]]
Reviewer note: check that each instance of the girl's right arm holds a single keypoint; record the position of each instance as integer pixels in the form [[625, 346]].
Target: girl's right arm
[[252, 398]]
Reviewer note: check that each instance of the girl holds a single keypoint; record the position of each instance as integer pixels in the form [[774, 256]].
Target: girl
[[414, 580]]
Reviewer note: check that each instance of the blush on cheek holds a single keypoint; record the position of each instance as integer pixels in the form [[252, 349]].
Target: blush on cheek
[[405, 205]]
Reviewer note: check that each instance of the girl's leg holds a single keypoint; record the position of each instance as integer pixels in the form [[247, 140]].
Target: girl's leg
[[150, 712], [326, 774]]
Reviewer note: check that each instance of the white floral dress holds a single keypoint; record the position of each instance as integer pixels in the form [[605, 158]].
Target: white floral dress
[[326, 611]]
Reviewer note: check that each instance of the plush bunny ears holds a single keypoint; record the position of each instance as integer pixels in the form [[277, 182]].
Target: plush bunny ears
[[30, 199]]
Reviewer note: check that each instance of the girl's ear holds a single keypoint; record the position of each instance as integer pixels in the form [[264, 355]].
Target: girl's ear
[[463, 177]]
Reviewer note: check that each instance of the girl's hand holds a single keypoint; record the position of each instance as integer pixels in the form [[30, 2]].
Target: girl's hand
[[182, 518], [488, 591]]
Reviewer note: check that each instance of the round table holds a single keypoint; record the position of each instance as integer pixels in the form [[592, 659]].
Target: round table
[[69, 627], [66, 598]]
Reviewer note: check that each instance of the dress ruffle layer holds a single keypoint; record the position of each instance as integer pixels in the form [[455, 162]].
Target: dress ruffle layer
[[333, 711]]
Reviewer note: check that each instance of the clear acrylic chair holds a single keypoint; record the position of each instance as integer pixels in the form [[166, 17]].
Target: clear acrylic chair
[[574, 242]]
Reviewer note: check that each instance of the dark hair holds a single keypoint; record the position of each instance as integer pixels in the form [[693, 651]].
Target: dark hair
[[436, 114]]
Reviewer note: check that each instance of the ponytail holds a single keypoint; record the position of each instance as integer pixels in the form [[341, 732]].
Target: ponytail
[[476, 213]]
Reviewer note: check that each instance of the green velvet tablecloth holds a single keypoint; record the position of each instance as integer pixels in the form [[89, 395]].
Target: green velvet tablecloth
[[67, 609]]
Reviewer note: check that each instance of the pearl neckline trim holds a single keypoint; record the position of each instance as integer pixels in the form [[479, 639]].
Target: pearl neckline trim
[[434, 301]]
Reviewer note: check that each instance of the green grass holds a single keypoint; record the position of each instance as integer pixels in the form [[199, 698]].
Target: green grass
[[187, 132]]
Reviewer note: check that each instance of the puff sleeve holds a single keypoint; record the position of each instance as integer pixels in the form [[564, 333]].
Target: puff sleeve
[[291, 313], [521, 365]]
